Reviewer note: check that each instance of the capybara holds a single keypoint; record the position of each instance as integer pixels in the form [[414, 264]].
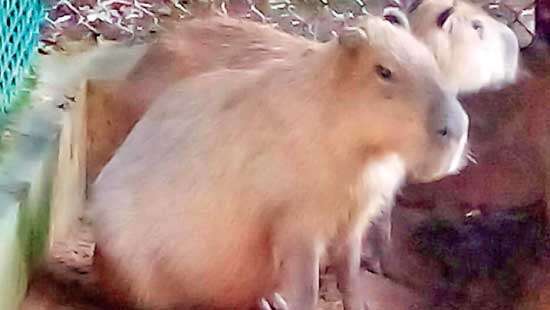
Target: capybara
[[236, 184], [509, 135], [473, 50]]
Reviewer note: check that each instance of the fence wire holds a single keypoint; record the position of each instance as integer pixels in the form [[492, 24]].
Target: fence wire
[[518, 15], [315, 19], [19, 25]]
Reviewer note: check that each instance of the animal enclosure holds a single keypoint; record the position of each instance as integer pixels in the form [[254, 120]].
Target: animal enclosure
[[92, 23]]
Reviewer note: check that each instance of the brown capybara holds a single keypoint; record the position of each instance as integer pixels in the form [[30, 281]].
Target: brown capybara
[[235, 184]]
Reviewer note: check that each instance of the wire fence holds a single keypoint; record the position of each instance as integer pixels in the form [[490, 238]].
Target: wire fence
[[315, 19], [19, 33]]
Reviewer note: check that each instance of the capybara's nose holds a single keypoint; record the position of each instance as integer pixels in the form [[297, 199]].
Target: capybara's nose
[[456, 132], [456, 121]]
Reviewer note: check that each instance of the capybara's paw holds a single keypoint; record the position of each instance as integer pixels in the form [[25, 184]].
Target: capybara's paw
[[273, 302]]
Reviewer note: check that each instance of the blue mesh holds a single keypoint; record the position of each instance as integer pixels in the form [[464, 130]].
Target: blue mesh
[[19, 31]]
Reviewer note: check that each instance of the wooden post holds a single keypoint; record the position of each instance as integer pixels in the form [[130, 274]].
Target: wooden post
[[111, 113], [69, 183]]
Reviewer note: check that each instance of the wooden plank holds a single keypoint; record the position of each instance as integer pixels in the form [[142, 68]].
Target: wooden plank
[[111, 115], [13, 270], [69, 183]]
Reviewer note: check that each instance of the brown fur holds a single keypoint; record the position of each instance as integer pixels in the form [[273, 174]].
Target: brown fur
[[235, 183], [188, 49], [490, 48], [206, 44]]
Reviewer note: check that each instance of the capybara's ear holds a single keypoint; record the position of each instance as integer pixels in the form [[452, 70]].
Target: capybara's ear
[[352, 37], [411, 6], [444, 16]]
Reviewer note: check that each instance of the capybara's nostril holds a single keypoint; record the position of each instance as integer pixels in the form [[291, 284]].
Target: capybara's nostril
[[444, 131]]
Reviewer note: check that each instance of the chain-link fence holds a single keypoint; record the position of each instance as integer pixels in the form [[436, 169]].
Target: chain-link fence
[[135, 19], [19, 25], [316, 19]]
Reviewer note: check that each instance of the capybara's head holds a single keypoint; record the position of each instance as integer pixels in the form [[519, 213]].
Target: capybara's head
[[390, 84], [473, 49]]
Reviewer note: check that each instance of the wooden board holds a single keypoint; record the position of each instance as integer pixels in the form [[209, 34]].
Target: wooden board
[[110, 117], [69, 185]]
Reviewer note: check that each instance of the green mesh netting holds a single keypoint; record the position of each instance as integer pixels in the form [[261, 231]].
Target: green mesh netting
[[19, 31]]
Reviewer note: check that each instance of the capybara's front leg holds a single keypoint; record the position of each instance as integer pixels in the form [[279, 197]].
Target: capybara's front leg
[[297, 265], [273, 302], [347, 263]]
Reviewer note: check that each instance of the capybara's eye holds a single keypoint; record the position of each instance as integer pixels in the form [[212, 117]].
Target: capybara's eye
[[392, 19], [383, 72], [476, 24]]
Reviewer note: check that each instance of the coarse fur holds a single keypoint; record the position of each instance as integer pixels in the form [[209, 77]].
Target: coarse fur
[[236, 183], [207, 44], [473, 50], [509, 133]]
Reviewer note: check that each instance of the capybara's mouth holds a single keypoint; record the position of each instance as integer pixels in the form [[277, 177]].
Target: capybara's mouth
[[467, 158], [420, 178]]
